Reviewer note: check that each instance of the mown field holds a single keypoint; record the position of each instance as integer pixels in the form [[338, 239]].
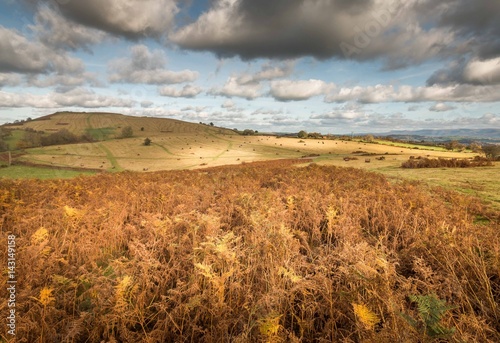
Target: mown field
[[264, 252]]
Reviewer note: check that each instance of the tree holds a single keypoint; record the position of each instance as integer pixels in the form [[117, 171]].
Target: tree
[[492, 151], [368, 138], [302, 134], [3, 146], [127, 132], [211, 124], [475, 147], [147, 142], [248, 132]]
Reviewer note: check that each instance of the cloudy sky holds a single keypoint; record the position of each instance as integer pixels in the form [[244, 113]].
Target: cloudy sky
[[333, 66]]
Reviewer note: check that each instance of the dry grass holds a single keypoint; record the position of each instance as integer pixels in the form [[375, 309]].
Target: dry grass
[[253, 253]]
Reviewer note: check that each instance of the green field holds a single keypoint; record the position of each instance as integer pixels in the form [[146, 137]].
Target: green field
[[26, 172]]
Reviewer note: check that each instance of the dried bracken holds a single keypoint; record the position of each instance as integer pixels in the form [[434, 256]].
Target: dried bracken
[[264, 252]]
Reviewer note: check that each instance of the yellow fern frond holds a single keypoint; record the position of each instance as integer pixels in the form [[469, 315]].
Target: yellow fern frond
[[365, 316], [270, 325], [40, 236], [46, 297], [70, 212]]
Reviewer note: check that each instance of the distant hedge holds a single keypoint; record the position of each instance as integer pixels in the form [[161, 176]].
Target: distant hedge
[[446, 163]]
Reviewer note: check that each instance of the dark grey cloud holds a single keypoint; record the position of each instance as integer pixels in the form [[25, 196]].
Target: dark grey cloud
[[473, 71], [132, 19], [361, 29], [55, 31], [276, 29], [18, 54], [399, 33]]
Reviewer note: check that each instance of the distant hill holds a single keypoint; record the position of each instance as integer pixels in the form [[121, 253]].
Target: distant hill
[[483, 135], [109, 125]]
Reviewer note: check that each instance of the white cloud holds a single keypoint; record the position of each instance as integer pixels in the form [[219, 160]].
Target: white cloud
[[188, 91], [77, 97], [148, 67], [288, 90], [483, 72], [268, 71], [9, 79], [228, 104], [441, 107], [234, 88], [405, 93], [15, 100]]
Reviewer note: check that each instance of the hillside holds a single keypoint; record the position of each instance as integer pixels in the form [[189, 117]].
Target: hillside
[[253, 253], [109, 125]]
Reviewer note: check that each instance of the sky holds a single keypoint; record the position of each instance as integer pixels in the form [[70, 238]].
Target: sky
[[329, 66]]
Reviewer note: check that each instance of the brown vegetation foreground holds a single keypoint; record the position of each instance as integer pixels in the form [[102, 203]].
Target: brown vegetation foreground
[[253, 253]]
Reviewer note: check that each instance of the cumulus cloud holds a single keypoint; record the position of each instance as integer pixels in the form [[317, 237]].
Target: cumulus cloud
[[146, 104], [148, 67], [76, 97], [41, 65], [233, 87], [188, 91], [483, 72], [360, 29], [347, 112], [81, 97], [133, 19], [288, 90], [18, 54], [228, 104], [16, 100], [55, 31], [268, 71], [441, 107], [388, 93], [473, 71], [63, 80], [9, 79]]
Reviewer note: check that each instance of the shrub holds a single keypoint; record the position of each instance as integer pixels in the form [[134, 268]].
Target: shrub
[[127, 132], [302, 134], [446, 163], [147, 142], [492, 151]]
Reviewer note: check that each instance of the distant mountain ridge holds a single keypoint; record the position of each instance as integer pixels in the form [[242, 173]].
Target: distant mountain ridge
[[440, 135]]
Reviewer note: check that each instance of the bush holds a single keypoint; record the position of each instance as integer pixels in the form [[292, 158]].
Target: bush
[[127, 132], [492, 151], [446, 163], [61, 137], [147, 142], [302, 134]]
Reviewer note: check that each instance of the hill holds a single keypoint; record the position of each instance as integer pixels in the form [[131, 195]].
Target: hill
[[104, 125], [440, 135], [250, 253]]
